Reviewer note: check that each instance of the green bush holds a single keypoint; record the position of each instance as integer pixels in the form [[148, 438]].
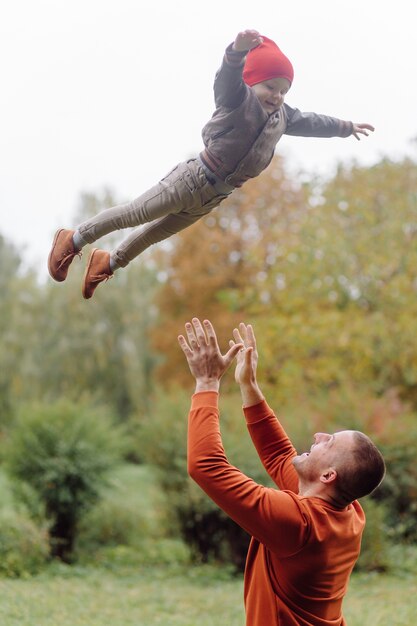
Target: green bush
[[128, 526], [23, 546], [374, 550], [163, 551], [64, 453], [7, 496], [131, 510], [399, 488], [111, 523]]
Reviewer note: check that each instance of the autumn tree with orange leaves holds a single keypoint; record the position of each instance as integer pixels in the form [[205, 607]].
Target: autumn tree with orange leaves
[[218, 267]]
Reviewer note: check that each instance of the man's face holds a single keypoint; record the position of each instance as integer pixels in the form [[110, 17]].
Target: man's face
[[271, 93], [327, 451]]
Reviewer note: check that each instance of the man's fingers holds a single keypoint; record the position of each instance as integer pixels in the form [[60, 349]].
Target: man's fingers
[[184, 345], [211, 333], [199, 331], [251, 336], [195, 333], [243, 330], [232, 352], [248, 355], [245, 334], [237, 336], [189, 329]]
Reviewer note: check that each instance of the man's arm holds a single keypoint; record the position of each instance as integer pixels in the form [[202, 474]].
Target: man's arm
[[317, 125], [270, 440], [277, 519]]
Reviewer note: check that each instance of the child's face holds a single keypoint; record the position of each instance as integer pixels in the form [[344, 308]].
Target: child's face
[[271, 93]]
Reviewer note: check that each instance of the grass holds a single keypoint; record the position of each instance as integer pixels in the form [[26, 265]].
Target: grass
[[381, 600], [155, 596], [172, 596], [120, 589]]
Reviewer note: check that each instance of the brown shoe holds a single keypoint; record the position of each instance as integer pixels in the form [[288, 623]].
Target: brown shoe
[[62, 254], [97, 270]]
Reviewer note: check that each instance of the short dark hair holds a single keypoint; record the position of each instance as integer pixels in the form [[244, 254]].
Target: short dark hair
[[364, 472]]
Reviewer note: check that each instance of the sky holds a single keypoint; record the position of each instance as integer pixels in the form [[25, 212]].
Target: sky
[[114, 93]]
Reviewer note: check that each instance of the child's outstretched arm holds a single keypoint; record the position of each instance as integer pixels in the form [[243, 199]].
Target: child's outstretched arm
[[246, 40], [310, 124], [361, 129], [229, 88]]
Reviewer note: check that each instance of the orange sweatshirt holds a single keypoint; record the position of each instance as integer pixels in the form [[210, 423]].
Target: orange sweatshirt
[[302, 549]]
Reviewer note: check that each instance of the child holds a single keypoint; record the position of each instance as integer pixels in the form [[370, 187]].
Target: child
[[239, 140]]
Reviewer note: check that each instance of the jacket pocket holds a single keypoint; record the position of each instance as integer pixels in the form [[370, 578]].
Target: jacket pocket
[[220, 133]]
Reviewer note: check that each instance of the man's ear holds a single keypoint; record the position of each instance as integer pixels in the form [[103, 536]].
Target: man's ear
[[329, 475]]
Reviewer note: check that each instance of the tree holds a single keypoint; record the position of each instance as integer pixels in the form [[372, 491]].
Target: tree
[[18, 290], [96, 350], [346, 311], [63, 452], [218, 268]]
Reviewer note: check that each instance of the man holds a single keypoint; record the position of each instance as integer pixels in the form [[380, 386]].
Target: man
[[306, 535]]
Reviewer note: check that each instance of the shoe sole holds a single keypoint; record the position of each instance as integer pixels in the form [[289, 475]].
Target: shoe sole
[[90, 260], [58, 280]]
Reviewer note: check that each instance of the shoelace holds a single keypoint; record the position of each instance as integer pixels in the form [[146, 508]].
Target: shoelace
[[68, 257], [100, 277]]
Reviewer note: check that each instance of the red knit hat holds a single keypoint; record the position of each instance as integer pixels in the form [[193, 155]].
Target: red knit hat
[[266, 61]]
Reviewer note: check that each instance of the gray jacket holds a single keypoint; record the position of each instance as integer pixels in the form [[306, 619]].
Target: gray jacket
[[240, 138]]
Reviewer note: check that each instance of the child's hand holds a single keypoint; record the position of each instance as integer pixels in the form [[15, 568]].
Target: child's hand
[[360, 129], [246, 40]]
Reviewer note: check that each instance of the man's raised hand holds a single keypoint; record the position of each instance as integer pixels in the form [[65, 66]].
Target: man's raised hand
[[247, 357], [247, 361], [207, 364]]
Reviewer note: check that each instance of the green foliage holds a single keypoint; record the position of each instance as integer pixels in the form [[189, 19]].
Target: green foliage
[[166, 551], [63, 452], [53, 344], [128, 526], [23, 545], [99, 353], [324, 270], [16, 292], [399, 489], [219, 268], [130, 513], [344, 289], [374, 550]]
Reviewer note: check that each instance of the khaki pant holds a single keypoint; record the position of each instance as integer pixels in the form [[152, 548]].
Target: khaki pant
[[177, 201]]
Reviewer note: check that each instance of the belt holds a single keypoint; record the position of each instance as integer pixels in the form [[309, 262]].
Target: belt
[[219, 185]]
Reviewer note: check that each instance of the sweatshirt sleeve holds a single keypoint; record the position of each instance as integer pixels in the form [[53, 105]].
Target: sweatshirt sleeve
[[278, 519], [315, 125], [229, 88], [273, 445]]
